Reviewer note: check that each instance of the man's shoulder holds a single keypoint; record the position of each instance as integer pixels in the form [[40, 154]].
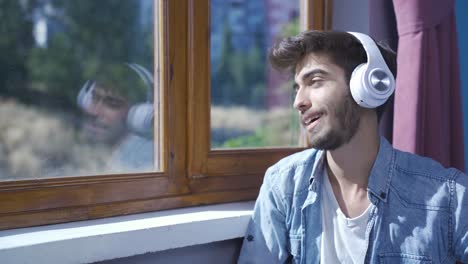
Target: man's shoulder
[[409, 163], [292, 173], [134, 153], [431, 181]]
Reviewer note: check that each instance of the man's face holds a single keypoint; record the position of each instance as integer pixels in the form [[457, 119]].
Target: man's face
[[105, 117], [327, 110]]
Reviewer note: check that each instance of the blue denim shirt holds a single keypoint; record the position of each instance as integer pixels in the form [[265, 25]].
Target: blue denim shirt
[[419, 211]]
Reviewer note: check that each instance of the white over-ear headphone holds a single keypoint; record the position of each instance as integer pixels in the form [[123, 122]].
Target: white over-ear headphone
[[371, 83], [85, 95], [140, 117]]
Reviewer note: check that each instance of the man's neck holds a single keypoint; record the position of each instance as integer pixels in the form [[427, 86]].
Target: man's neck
[[349, 167]]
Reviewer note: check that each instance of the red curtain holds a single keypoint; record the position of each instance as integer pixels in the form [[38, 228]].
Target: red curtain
[[428, 113]]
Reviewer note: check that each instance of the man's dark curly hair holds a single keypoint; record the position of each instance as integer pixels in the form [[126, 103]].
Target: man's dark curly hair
[[342, 48]]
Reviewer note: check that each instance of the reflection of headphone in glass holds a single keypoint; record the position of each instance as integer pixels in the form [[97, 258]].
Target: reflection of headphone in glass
[[371, 83], [140, 117]]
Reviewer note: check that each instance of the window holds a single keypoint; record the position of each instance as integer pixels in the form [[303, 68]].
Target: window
[[189, 172], [82, 99], [250, 101]]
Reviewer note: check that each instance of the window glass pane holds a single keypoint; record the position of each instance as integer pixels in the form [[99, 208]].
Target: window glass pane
[[76, 88], [251, 104]]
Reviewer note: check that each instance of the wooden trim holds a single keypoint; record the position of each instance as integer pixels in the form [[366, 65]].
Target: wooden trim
[[226, 183], [328, 14], [65, 198], [316, 14], [174, 50], [237, 162], [73, 181], [199, 86], [192, 173], [84, 194], [158, 124], [60, 215], [202, 161]]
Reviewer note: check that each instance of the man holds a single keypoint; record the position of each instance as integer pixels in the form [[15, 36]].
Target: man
[[105, 116], [352, 198], [114, 118]]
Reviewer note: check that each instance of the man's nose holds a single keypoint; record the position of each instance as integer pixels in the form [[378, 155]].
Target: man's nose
[[302, 101]]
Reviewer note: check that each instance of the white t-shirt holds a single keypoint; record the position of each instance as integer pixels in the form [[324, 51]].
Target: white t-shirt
[[343, 239]]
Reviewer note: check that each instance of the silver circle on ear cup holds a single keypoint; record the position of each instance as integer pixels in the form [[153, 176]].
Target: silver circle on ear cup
[[380, 80]]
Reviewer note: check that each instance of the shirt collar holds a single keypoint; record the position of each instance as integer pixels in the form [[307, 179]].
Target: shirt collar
[[382, 170], [317, 169], [381, 173]]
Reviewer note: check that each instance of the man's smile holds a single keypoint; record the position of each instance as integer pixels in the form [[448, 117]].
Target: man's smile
[[310, 120]]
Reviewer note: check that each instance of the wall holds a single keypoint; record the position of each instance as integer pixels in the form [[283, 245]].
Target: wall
[[351, 15], [461, 6], [225, 252]]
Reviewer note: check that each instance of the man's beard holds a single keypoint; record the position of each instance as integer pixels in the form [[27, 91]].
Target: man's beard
[[109, 136], [348, 116]]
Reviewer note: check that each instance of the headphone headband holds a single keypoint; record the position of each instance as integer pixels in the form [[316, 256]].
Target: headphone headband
[[374, 57]]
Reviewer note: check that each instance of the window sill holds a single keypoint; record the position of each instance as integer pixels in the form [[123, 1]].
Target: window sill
[[117, 237]]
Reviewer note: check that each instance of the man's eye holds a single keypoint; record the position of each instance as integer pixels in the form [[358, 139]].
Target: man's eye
[[95, 98], [295, 88], [112, 103], [316, 82]]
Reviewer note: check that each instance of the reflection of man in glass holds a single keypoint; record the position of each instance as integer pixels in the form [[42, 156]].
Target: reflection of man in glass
[[119, 114], [105, 116]]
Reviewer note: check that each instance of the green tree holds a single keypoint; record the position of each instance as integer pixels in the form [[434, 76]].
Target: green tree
[[89, 34], [240, 78], [291, 29], [15, 41]]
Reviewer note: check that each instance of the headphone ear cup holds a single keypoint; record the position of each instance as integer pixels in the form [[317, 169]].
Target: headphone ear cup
[[85, 95], [370, 89], [356, 84], [371, 83], [140, 119]]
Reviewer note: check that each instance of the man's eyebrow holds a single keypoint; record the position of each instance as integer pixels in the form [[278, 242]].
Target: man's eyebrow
[[313, 72], [309, 74]]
